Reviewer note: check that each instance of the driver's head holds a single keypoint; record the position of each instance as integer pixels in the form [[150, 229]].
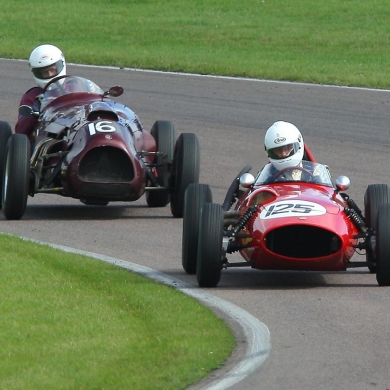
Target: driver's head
[[46, 62], [284, 145]]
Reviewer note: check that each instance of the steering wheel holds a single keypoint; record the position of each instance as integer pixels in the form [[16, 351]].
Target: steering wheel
[[53, 81], [279, 173]]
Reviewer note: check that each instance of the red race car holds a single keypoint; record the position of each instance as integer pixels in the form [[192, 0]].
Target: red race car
[[95, 149], [295, 219]]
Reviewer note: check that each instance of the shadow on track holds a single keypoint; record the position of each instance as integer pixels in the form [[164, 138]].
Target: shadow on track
[[82, 212], [249, 279]]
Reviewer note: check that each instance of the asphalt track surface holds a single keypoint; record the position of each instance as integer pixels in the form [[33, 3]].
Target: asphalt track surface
[[327, 330]]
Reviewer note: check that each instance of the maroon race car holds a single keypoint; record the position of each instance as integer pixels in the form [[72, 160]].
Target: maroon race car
[[282, 222], [95, 149]]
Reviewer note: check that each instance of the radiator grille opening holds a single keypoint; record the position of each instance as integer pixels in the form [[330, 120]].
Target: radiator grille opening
[[302, 242], [106, 164]]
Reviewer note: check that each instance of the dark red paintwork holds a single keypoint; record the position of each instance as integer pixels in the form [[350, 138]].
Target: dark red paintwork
[[90, 147], [103, 141], [103, 133]]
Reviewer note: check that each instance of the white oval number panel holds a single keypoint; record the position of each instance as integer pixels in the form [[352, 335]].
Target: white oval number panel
[[292, 208], [101, 127]]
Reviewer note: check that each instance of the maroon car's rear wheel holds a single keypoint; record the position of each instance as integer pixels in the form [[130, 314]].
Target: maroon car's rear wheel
[[375, 195], [383, 245], [209, 262], [185, 170], [164, 134], [16, 176], [195, 197], [5, 134]]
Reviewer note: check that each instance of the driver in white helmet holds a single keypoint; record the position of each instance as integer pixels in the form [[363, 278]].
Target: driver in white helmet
[[46, 62], [284, 145]]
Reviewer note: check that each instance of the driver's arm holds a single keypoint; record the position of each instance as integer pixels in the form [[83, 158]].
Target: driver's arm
[[27, 124]]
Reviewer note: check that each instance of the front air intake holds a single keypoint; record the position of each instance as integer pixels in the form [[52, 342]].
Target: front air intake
[[106, 165], [302, 242]]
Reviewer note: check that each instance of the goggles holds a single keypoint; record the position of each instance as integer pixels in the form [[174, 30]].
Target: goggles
[[48, 72], [281, 152]]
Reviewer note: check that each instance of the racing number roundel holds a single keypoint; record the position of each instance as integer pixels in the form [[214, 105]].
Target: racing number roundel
[[292, 208], [101, 127]]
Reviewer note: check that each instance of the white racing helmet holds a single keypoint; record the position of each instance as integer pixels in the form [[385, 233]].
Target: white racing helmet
[[46, 62], [284, 145]]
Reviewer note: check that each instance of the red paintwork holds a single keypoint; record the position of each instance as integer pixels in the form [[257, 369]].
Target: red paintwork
[[309, 155], [82, 114], [333, 220]]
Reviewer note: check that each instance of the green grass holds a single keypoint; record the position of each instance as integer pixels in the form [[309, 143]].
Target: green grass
[[329, 42], [71, 322]]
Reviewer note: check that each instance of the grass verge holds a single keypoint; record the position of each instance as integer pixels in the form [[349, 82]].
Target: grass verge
[[70, 322], [329, 42]]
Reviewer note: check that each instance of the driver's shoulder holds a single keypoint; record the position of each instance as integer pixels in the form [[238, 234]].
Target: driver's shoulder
[[34, 90], [29, 97]]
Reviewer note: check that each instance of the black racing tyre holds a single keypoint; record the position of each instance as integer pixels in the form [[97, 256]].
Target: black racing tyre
[[195, 197], [16, 176], [383, 245], [164, 134], [375, 195], [5, 134], [185, 170], [209, 262]]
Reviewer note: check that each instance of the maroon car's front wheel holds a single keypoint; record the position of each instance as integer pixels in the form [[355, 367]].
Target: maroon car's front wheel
[[5, 134], [16, 176]]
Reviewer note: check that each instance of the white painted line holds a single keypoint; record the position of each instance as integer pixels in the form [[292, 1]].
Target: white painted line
[[256, 333], [216, 76]]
